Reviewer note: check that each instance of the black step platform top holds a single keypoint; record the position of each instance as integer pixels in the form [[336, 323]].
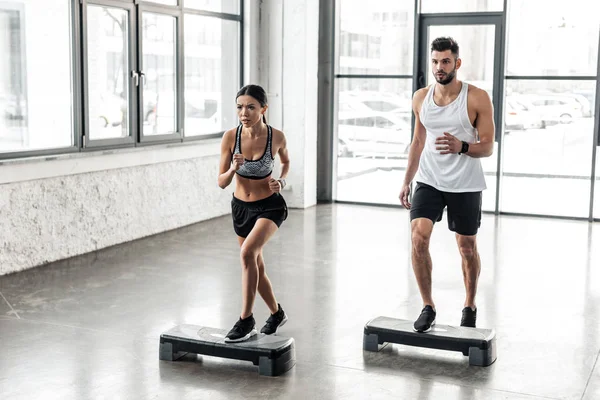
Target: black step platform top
[[210, 341], [443, 337]]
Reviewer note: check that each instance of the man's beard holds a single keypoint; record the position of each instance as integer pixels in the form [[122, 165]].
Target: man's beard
[[447, 79]]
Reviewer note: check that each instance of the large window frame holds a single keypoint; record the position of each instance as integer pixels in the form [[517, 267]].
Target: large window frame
[[79, 77], [503, 78]]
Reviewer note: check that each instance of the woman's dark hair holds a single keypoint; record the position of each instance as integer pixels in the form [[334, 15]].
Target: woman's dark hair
[[257, 92]]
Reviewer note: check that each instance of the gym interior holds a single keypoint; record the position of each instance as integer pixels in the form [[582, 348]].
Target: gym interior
[[114, 229]]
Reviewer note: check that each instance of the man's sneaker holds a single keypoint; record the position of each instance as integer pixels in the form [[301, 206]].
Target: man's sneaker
[[242, 330], [469, 317], [275, 321], [426, 320]]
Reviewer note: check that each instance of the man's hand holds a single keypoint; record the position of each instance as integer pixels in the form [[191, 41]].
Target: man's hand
[[448, 144], [404, 196]]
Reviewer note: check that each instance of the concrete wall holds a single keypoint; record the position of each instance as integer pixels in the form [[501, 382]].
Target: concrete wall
[[55, 217], [57, 207]]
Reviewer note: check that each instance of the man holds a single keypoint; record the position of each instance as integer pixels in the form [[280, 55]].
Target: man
[[454, 127]]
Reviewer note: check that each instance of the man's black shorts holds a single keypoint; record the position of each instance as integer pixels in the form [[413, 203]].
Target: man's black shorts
[[464, 209], [245, 213]]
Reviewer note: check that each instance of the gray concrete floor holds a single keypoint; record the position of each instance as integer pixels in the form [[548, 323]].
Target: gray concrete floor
[[88, 327]]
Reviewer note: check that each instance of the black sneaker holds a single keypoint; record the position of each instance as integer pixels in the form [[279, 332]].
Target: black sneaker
[[426, 320], [469, 317], [275, 321], [242, 330]]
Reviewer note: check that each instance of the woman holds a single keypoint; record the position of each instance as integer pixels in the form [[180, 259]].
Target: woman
[[257, 207]]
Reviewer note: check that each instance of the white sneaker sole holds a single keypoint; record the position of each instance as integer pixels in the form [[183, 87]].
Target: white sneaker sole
[[427, 330], [282, 322], [280, 325], [248, 336]]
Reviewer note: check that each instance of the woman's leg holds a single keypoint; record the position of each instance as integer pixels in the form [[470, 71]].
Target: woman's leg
[[264, 284], [250, 251]]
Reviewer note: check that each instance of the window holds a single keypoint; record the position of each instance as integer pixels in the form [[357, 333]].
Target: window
[[373, 39], [561, 40], [211, 61], [223, 6], [108, 70], [436, 6], [372, 145], [165, 2], [126, 77], [35, 76], [547, 145], [159, 79]]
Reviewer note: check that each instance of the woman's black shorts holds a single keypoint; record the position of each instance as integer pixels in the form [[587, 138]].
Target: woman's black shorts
[[245, 213]]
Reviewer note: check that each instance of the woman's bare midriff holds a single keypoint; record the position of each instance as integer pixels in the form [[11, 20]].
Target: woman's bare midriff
[[252, 189]]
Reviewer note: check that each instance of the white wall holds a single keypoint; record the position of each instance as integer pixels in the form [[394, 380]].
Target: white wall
[[288, 68], [57, 207]]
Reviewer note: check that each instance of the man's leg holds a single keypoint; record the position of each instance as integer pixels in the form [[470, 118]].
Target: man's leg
[[464, 218], [427, 207], [421, 229], [471, 266]]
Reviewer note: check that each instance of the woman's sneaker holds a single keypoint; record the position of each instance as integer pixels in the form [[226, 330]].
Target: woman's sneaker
[[242, 330], [275, 321], [426, 320], [469, 317]]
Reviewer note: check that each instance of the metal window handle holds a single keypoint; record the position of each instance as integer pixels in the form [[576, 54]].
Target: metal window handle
[[136, 79], [143, 78]]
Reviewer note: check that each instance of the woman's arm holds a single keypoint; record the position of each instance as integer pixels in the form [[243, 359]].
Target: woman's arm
[[226, 167]]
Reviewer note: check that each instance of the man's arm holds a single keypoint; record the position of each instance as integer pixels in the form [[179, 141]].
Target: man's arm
[[485, 126], [418, 141], [416, 148]]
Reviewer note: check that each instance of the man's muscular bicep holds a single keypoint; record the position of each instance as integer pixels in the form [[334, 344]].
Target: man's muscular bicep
[[485, 117]]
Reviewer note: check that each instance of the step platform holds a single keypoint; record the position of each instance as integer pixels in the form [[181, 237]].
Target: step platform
[[478, 344], [274, 355]]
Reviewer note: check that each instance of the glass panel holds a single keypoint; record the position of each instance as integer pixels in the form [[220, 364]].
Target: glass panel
[[374, 133], [548, 147], [35, 76], [159, 82], [565, 38], [166, 2], [378, 39], [224, 6], [476, 50], [108, 68], [437, 6], [212, 62], [597, 183], [592, 100]]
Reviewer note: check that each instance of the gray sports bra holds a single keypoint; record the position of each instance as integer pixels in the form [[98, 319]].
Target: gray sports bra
[[255, 169]]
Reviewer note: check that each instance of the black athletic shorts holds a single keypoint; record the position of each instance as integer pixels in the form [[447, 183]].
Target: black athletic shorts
[[464, 209], [245, 213]]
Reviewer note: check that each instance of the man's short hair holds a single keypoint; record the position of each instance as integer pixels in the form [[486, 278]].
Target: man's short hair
[[445, 43]]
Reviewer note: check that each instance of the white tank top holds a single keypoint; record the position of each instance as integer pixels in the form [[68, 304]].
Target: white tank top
[[449, 172]]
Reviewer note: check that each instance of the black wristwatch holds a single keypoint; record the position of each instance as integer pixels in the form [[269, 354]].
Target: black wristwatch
[[464, 149]]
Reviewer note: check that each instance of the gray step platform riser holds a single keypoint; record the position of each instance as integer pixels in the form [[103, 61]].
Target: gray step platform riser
[[477, 356], [272, 364], [429, 341], [210, 349], [278, 366]]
